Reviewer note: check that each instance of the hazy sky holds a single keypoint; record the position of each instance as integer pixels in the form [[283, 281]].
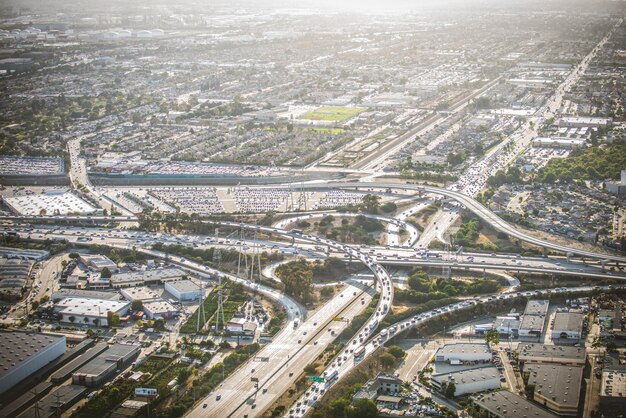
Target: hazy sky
[[332, 6]]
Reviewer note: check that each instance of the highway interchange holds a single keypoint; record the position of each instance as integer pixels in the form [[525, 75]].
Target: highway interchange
[[294, 347], [255, 385]]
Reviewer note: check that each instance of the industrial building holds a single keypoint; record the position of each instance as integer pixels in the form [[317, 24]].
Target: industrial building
[[579, 122], [540, 353], [507, 325], [97, 262], [24, 353], [613, 388], [184, 290], [566, 143], [13, 278], [141, 293], [116, 357], [84, 294], [557, 387], [53, 202], [505, 404], [568, 328], [24, 253], [533, 320], [159, 309], [473, 380], [89, 311], [382, 384], [140, 278], [463, 353]]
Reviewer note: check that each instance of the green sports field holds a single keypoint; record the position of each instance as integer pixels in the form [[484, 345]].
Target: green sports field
[[333, 113]]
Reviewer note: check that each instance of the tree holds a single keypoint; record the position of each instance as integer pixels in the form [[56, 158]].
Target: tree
[[310, 369], [387, 360], [159, 324], [72, 319], [363, 408], [396, 351], [370, 203], [105, 273], [136, 305], [450, 390], [492, 336], [113, 319], [337, 408]]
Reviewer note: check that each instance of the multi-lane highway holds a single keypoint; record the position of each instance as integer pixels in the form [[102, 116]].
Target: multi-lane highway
[[343, 364]]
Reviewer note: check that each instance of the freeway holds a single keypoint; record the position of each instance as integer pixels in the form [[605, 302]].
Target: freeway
[[288, 353], [384, 255], [380, 274], [344, 363], [473, 205], [468, 202]]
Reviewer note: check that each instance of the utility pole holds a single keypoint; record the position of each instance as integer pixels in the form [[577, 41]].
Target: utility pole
[[220, 307]]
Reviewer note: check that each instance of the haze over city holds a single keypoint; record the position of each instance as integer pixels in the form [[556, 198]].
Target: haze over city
[[327, 209]]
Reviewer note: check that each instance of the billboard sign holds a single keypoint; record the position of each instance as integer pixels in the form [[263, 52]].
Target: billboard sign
[[145, 391]]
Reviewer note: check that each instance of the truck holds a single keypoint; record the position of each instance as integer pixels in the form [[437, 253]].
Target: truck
[[331, 377], [373, 325]]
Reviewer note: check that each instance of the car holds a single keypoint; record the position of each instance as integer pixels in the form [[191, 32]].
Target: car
[[205, 405], [218, 397]]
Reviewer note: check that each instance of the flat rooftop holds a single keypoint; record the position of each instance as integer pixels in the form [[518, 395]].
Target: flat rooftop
[[102, 363], [568, 321], [184, 286], [85, 294], [613, 384], [89, 307], [469, 375], [17, 346], [505, 404], [464, 348], [532, 323], [147, 275], [159, 306], [61, 204], [537, 307], [551, 353], [142, 293], [556, 382]]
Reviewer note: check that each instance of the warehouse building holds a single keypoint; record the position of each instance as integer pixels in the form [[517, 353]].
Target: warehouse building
[[464, 353], [24, 253], [141, 278], [97, 262], [557, 387], [507, 325], [568, 328], [613, 388], [474, 380], [141, 293], [184, 290], [533, 320], [159, 309], [89, 311], [541, 353], [117, 357], [24, 353], [84, 294], [505, 404]]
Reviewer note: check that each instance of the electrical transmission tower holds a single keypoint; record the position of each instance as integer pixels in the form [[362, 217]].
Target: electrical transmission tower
[[219, 314], [201, 313]]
